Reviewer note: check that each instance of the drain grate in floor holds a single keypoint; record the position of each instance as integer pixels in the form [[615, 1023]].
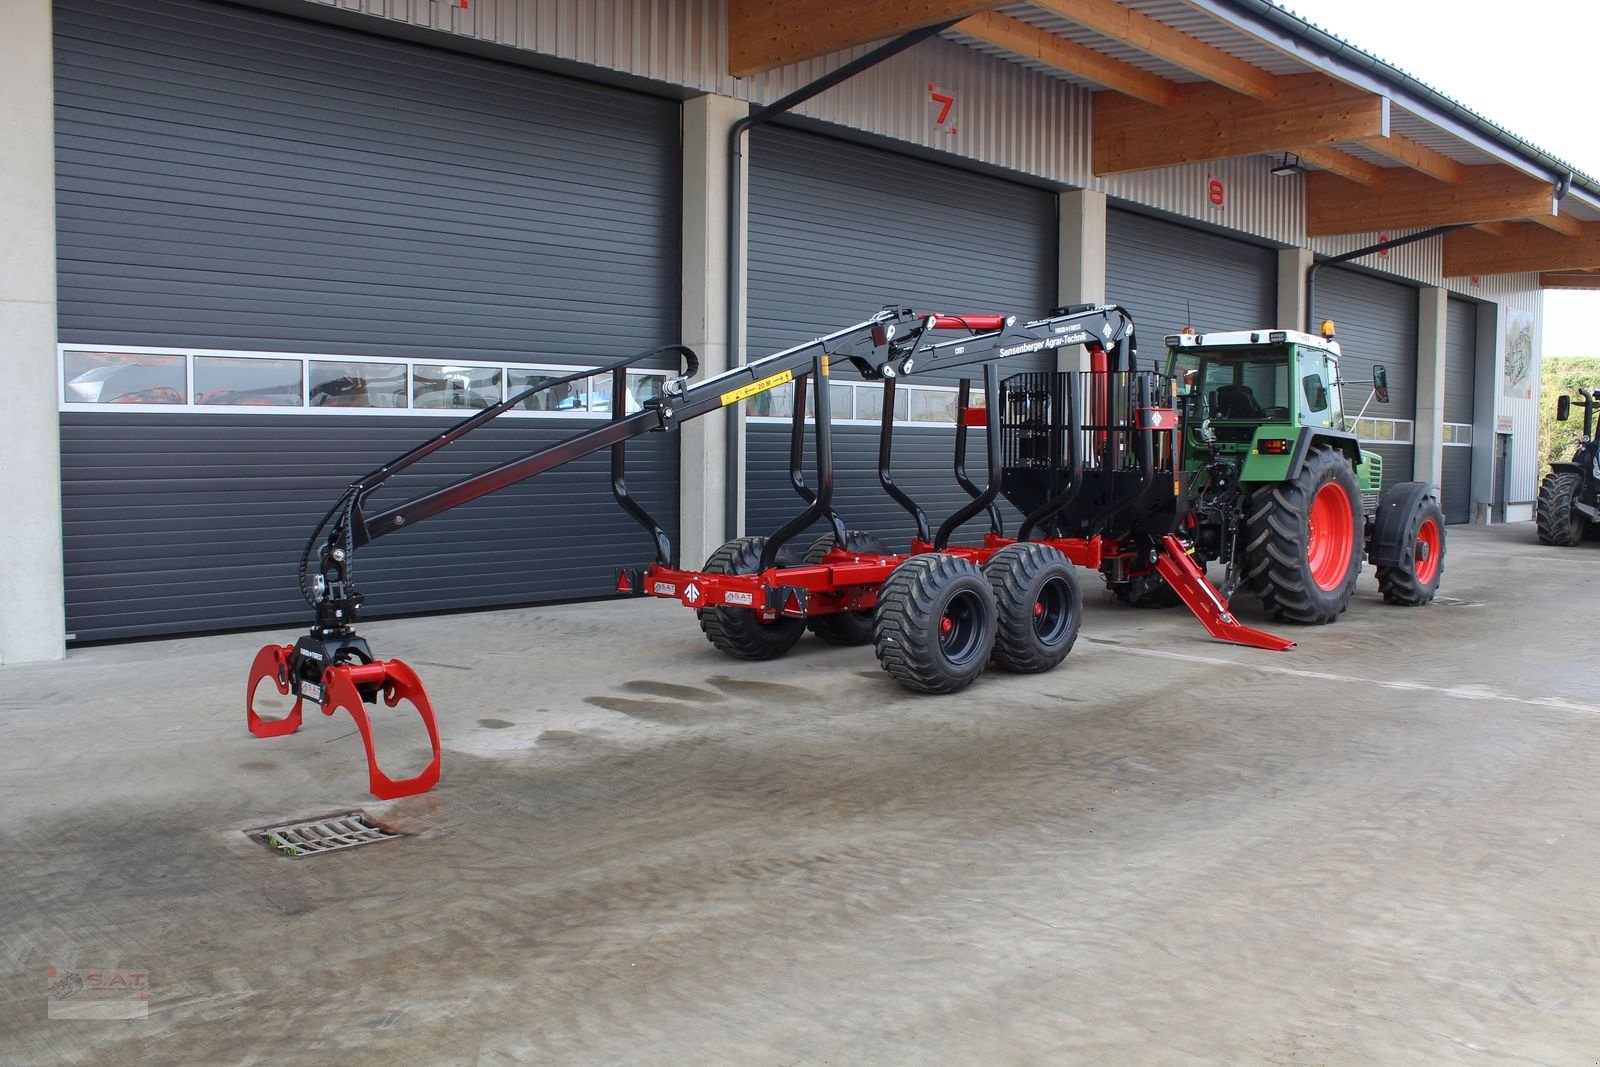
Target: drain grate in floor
[[328, 834]]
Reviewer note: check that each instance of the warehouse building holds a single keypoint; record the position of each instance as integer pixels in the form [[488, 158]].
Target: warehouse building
[[259, 248]]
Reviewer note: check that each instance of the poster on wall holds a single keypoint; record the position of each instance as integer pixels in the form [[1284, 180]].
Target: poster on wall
[[1516, 379]]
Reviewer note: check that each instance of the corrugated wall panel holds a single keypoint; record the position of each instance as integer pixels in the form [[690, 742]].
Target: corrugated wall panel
[[828, 222], [238, 180]]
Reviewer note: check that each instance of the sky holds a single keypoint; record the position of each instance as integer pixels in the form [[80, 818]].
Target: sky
[[1529, 66]]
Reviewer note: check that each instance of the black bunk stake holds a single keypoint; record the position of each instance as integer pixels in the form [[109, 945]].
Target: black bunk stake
[[797, 441], [997, 525], [885, 455], [986, 498], [619, 473], [821, 505]]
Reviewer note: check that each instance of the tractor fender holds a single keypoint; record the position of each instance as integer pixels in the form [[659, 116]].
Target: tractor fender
[[1561, 467], [1386, 546], [1311, 436]]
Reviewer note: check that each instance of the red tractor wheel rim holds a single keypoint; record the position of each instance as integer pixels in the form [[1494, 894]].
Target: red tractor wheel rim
[[1427, 552], [1330, 537]]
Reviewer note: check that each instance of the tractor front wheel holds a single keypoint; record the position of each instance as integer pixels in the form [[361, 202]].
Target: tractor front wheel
[[935, 623], [741, 632], [845, 627], [1416, 579], [1302, 543], [1559, 522], [1039, 607]]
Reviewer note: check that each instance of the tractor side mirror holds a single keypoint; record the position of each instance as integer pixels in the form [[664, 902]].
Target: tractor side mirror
[[1563, 408], [1380, 383]]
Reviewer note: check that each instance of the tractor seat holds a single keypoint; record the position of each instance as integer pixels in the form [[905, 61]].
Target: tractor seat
[[1235, 402]]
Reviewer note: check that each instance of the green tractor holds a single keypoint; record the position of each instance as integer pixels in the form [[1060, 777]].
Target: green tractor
[[1279, 490]]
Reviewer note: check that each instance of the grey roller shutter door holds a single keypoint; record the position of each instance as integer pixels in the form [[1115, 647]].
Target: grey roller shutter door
[[233, 179], [1460, 374], [1171, 276], [1376, 322], [839, 230]]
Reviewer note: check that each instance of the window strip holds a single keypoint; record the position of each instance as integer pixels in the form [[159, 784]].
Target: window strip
[[97, 388]]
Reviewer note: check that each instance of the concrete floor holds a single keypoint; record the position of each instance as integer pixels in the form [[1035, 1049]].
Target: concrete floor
[[1378, 848]]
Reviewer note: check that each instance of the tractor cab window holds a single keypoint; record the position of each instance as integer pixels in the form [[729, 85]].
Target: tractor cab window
[[1248, 386]]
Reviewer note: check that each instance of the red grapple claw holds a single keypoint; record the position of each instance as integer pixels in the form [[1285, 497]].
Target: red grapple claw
[[271, 662], [341, 687], [399, 683]]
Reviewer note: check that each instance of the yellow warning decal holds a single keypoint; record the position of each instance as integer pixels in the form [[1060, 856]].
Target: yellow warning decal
[[824, 366], [745, 392]]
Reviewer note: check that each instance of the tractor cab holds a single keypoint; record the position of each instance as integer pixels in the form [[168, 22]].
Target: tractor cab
[[1249, 393]]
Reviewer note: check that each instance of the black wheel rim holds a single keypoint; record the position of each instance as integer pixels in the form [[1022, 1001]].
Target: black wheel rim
[[1052, 611], [961, 628]]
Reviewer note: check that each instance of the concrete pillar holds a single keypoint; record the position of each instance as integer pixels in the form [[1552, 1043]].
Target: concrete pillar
[[1428, 464], [1293, 263], [1081, 260], [703, 512], [32, 621]]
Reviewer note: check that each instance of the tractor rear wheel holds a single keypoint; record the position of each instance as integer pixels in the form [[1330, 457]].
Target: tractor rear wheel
[[1039, 607], [1415, 580], [741, 632], [935, 623], [1559, 522], [846, 627], [1302, 548]]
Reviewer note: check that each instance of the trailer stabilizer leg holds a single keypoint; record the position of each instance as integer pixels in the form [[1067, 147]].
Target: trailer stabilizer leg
[[1201, 597], [350, 686]]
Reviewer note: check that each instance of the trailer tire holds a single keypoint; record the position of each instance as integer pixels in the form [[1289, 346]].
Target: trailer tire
[[845, 627], [1559, 522], [1302, 540], [935, 623], [1038, 607], [740, 632], [1415, 579]]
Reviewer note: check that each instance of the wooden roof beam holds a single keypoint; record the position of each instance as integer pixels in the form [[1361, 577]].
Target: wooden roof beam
[[1409, 199], [1525, 247], [1569, 280], [1419, 158], [763, 34], [1498, 229], [1562, 224], [1343, 164], [1212, 122], [1154, 38], [1068, 57]]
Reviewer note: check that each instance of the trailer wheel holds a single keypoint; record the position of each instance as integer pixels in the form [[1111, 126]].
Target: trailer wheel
[[935, 623], [1416, 579], [845, 627], [1559, 522], [1302, 543], [1038, 607], [741, 632]]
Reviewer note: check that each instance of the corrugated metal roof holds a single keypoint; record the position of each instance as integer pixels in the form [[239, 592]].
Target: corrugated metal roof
[[1425, 133], [1207, 30], [1106, 46], [1022, 61]]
